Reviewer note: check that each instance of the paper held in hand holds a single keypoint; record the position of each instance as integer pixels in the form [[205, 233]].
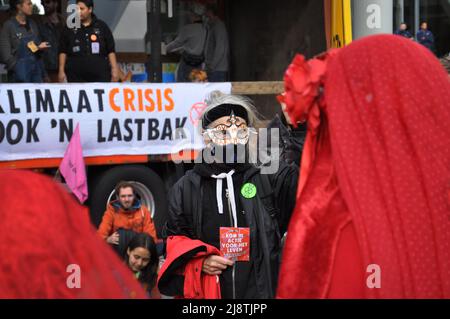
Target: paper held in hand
[[235, 243]]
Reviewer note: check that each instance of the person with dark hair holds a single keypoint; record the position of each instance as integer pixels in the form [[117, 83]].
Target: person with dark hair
[[403, 31], [50, 27], [217, 48], [142, 259], [21, 45], [87, 52], [425, 36], [126, 212]]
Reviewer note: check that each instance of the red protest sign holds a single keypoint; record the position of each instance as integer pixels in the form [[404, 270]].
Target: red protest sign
[[235, 243]]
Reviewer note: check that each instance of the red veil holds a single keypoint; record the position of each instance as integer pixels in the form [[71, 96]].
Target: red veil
[[43, 231], [375, 177]]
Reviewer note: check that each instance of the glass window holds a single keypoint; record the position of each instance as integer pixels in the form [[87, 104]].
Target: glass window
[[435, 12]]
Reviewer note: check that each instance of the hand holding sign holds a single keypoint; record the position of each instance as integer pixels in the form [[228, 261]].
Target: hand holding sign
[[213, 265]]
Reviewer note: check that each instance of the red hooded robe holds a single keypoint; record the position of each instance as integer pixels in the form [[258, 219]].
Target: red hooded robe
[[375, 176], [49, 246]]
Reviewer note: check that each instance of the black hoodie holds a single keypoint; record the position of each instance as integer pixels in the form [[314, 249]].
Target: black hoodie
[[193, 213], [244, 277]]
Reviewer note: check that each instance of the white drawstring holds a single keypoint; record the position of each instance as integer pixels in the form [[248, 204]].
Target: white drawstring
[[220, 178]]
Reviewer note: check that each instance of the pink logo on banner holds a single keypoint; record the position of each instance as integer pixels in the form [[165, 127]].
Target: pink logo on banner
[[73, 169], [196, 111]]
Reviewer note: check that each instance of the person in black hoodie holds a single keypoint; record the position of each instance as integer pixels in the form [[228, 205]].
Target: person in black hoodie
[[229, 192]]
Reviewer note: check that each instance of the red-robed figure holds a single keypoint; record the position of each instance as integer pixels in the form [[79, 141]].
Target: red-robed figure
[[373, 205]]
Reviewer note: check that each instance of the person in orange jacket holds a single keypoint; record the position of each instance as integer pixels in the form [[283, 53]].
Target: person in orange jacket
[[126, 212]]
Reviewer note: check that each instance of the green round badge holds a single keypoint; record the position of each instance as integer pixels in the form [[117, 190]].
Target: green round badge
[[248, 190]]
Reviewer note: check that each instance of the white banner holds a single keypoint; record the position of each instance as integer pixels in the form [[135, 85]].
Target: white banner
[[37, 120]]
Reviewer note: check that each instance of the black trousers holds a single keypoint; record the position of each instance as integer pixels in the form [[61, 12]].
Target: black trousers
[[88, 69]]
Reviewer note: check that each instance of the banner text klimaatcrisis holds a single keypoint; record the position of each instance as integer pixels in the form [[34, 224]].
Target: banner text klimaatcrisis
[[37, 120]]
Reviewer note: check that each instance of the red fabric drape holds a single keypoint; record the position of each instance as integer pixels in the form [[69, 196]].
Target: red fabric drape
[[197, 284], [43, 230], [380, 164]]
